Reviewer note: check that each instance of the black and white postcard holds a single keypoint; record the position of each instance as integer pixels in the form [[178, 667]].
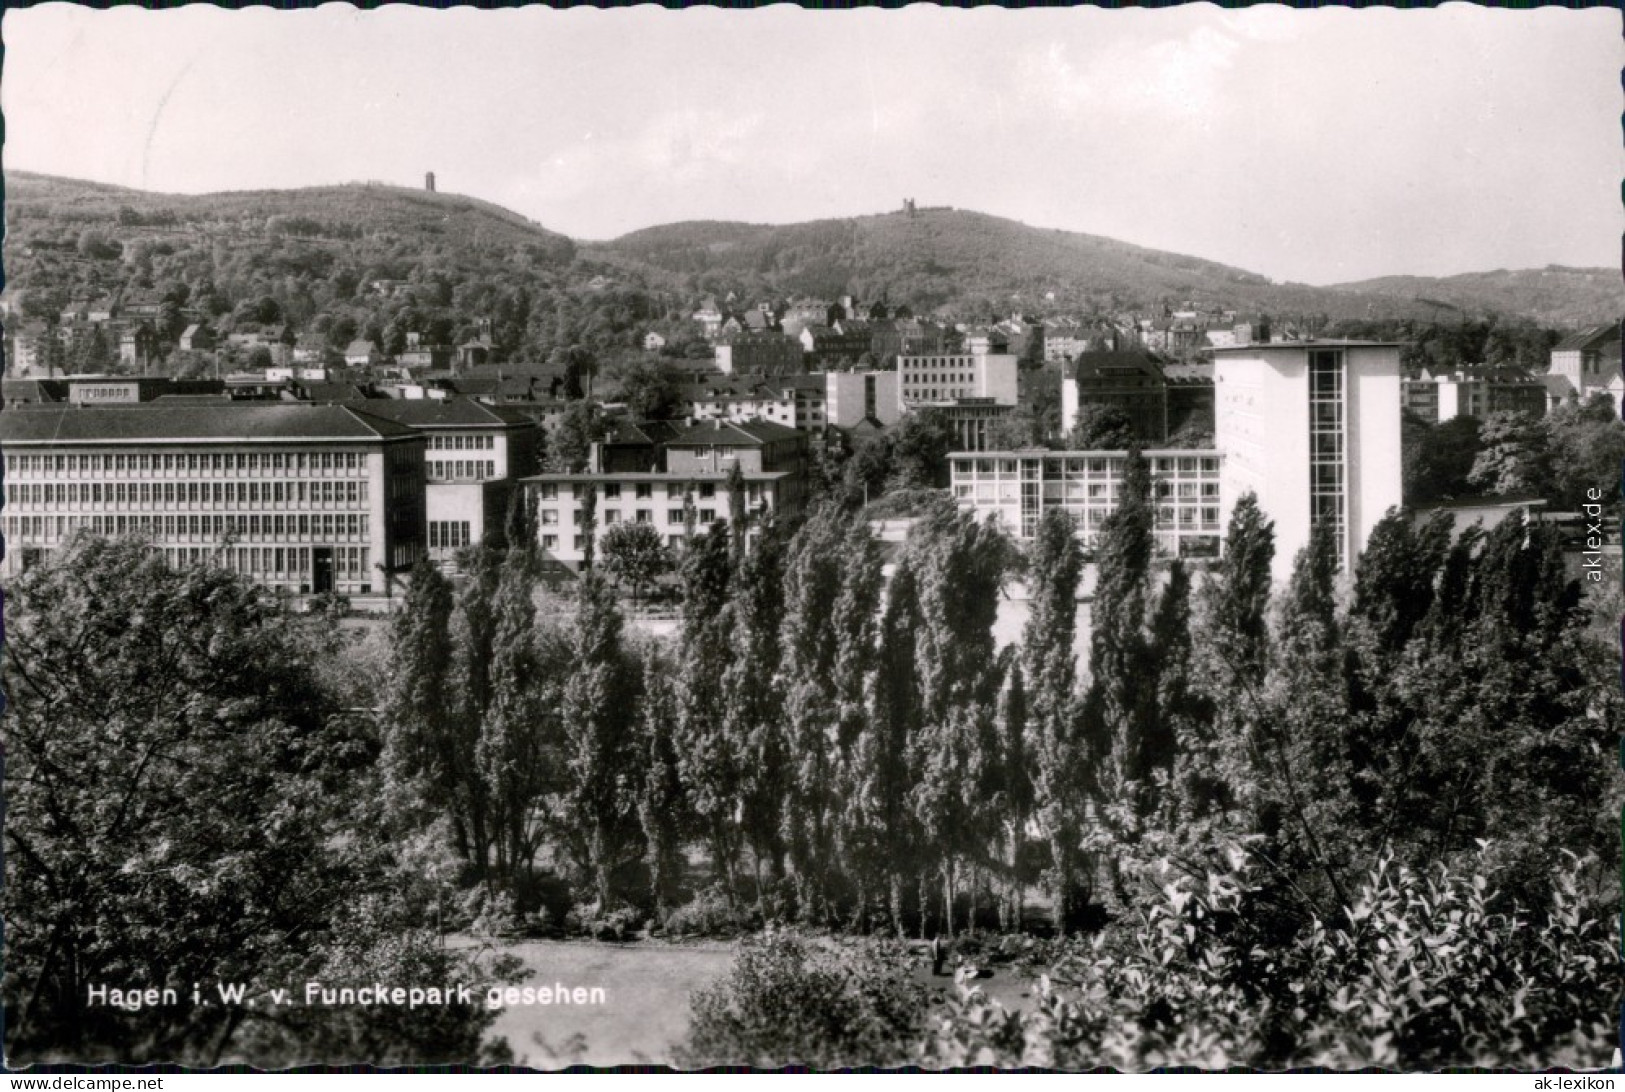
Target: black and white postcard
[[931, 538]]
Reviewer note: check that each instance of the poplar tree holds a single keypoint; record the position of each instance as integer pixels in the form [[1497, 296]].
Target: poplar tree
[[856, 622], [1017, 788], [421, 741], [710, 757], [515, 751], [662, 799], [960, 573], [1050, 674], [811, 590], [473, 630], [886, 753], [598, 712], [753, 705], [1117, 705]]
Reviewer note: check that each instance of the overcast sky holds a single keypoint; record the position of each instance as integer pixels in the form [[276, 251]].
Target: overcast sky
[[1317, 146]]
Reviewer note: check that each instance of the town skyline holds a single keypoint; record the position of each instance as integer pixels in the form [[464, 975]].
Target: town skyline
[[1088, 122]]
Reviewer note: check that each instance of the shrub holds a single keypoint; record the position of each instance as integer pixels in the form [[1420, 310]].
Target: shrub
[[787, 1003], [1422, 973], [617, 925], [707, 915]]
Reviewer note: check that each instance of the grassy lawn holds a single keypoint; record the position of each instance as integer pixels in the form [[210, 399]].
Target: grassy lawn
[[647, 986]]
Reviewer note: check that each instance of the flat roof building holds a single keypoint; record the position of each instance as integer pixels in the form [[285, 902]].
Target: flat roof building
[[299, 498], [1312, 428], [1017, 487]]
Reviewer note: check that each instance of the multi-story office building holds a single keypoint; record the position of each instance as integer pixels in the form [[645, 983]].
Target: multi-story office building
[[1017, 487], [299, 498], [1312, 428], [691, 475], [474, 453], [851, 397], [946, 377]]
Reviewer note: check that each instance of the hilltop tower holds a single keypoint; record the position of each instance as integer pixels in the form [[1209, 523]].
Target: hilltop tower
[[428, 181]]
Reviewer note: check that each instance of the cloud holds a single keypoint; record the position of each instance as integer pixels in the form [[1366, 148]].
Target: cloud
[[1177, 78]]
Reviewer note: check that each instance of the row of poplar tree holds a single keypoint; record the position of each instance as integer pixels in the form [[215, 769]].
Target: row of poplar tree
[[847, 747]]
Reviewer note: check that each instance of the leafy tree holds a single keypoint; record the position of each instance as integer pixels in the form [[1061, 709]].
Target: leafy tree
[[1587, 444], [856, 620], [570, 443], [635, 555], [888, 750], [184, 807], [811, 589], [959, 572], [1515, 459], [920, 443], [1439, 458], [424, 748], [1101, 428], [753, 703], [653, 389]]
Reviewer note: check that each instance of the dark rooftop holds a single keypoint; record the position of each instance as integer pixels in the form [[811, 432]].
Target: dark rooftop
[[229, 422]]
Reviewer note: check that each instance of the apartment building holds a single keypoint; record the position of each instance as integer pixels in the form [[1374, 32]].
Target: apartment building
[[684, 494]]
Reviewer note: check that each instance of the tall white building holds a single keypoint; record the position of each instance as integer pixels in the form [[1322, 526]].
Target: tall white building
[[1313, 429]]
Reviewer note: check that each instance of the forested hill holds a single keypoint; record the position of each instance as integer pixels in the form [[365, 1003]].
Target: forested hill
[[329, 263], [1558, 296], [969, 261], [333, 263], [348, 213]]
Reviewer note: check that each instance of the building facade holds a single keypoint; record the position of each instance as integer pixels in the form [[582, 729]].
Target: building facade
[[303, 499], [759, 354], [945, 377], [1128, 380], [1312, 428], [686, 494], [473, 454], [851, 397], [1018, 487]]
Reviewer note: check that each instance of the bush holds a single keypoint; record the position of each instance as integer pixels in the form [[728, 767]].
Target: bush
[[1423, 973], [786, 1003], [707, 915], [617, 925]]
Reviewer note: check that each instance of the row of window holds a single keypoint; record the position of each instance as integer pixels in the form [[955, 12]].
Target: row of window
[[320, 494], [549, 517], [612, 490], [551, 542], [462, 443], [448, 534], [281, 464], [325, 526], [441, 470], [1090, 466]]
